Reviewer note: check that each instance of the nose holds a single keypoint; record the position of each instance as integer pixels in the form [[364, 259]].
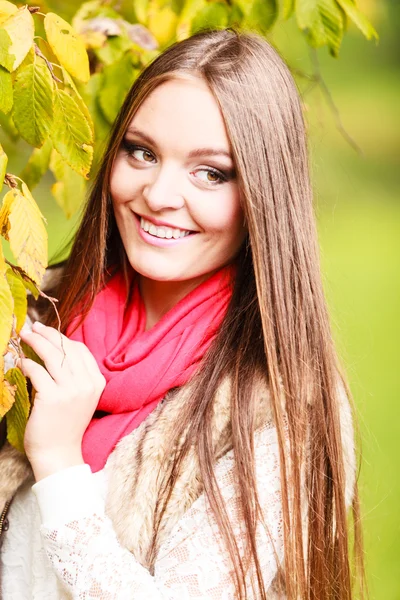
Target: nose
[[162, 190]]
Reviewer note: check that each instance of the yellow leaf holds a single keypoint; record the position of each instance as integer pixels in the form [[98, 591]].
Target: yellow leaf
[[5, 209], [18, 293], [6, 10], [7, 397], [16, 38], [67, 46], [17, 417], [3, 265], [162, 22], [6, 312], [28, 235]]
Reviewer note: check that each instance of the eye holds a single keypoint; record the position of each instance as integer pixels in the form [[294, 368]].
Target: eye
[[210, 176], [139, 153]]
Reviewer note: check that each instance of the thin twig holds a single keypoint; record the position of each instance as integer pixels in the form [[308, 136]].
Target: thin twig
[[317, 76], [48, 63]]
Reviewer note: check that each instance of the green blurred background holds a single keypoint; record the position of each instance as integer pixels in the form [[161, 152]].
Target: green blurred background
[[358, 209]]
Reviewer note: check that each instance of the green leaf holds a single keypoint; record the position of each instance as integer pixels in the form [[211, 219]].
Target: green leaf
[[358, 18], [6, 92], [117, 81], [27, 234], [215, 14], [19, 297], [18, 415], [72, 136], [72, 90], [102, 126], [287, 8], [6, 312], [37, 165], [114, 49], [70, 187], [190, 9], [322, 21], [16, 38], [67, 46], [26, 282], [262, 15], [3, 166], [7, 125], [33, 102]]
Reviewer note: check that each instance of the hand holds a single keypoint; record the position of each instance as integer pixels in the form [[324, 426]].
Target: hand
[[67, 394]]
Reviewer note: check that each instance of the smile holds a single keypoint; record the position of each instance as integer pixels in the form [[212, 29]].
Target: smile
[[162, 231]]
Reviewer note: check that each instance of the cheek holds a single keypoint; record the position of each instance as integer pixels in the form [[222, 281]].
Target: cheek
[[222, 215], [122, 184]]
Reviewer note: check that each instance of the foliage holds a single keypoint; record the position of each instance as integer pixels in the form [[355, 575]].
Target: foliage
[[61, 86]]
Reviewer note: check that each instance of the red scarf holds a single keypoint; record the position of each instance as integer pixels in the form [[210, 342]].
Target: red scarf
[[141, 366]]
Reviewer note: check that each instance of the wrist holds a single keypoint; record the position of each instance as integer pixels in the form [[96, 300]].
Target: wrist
[[44, 465]]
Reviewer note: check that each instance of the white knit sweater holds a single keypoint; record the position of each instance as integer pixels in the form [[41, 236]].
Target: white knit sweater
[[62, 545]]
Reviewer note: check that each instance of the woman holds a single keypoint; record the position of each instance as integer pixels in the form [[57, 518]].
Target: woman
[[220, 461]]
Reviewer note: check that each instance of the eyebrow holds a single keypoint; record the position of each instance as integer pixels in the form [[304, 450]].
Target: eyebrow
[[192, 154]]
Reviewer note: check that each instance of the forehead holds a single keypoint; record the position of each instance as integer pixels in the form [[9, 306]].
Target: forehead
[[183, 113]]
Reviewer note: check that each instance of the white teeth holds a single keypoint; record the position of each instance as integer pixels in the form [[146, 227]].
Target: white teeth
[[162, 232]]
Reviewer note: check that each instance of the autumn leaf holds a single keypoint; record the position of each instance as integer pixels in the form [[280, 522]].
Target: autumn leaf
[[67, 46], [16, 38], [17, 416]]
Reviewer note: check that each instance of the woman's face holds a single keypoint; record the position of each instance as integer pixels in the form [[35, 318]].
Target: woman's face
[[173, 186]]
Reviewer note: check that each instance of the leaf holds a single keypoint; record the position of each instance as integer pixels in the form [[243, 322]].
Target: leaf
[[5, 213], [117, 80], [6, 312], [27, 234], [215, 14], [6, 10], [70, 187], [287, 8], [114, 49], [72, 136], [72, 90], [262, 15], [33, 102], [67, 46], [26, 282], [3, 166], [184, 24], [16, 38], [322, 22], [37, 165], [141, 8], [6, 92], [17, 417], [19, 297], [7, 125], [7, 396], [358, 18], [162, 21]]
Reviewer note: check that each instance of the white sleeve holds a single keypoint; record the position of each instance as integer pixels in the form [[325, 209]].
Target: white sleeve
[[84, 551]]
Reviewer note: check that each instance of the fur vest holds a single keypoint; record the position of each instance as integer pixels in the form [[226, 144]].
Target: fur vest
[[139, 463]]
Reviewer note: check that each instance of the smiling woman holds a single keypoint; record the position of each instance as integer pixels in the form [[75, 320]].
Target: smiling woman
[[191, 435]]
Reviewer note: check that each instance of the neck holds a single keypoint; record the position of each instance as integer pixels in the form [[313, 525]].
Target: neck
[[160, 296]]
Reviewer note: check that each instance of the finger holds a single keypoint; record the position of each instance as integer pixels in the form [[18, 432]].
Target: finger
[[39, 377], [56, 363], [71, 350]]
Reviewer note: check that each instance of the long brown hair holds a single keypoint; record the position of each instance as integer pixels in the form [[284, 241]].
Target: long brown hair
[[277, 323]]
